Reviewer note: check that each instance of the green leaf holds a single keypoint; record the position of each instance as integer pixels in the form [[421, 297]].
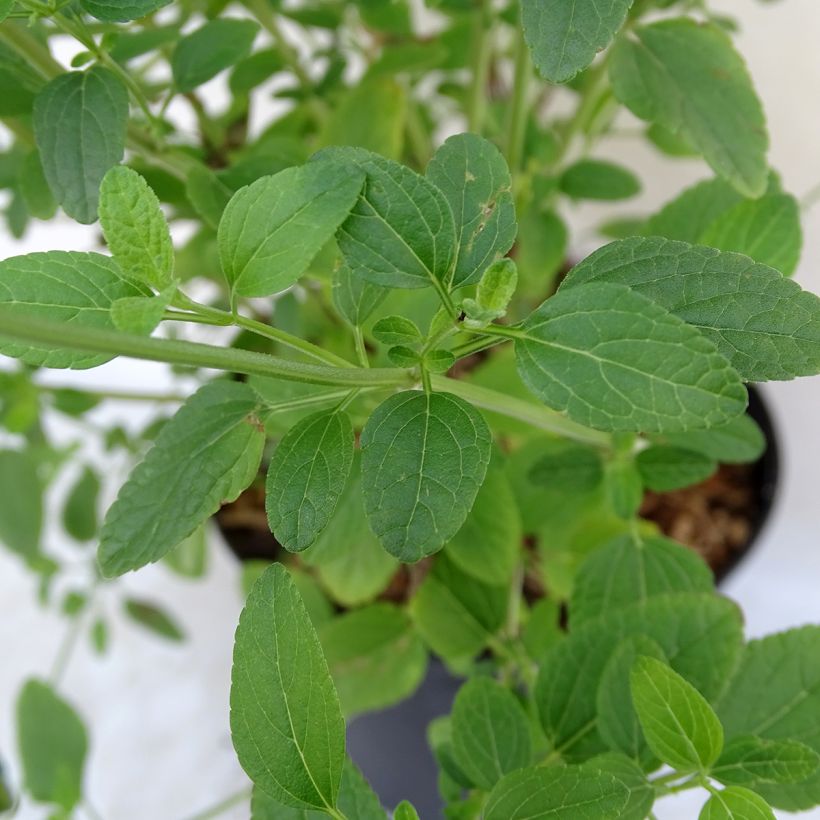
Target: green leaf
[[189, 558], [680, 726], [438, 361], [5, 8], [618, 724], [34, 187], [210, 49], [775, 694], [736, 803], [271, 230], [80, 516], [405, 811], [400, 233], [490, 731], [402, 356], [135, 227], [738, 442], [497, 288], [306, 476], [397, 330], [79, 124], [558, 793], [141, 314], [633, 568], [687, 77], [754, 762], [565, 37], [624, 487], [629, 774], [355, 298], [154, 619], [286, 721], [117, 11], [424, 457], [455, 613], [664, 468], [349, 560], [375, 657], [473, 176], [203, 457], [767, 229], [53, 746], [65, 286], [596, 179], [488, 545], [612, 359], [568, 466], [208, 195], [700, 635], [21, 513], [765, 325]]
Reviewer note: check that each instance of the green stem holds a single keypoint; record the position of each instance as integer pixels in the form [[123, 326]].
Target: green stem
[[361, 350], [67, 647], [482, 52], [32, 50], [224, 805], [316, 398], [114, 395], [476, 346], [517, 123]]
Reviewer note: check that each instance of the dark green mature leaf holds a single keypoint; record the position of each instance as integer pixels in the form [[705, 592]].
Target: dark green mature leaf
[[736, 803], [775, 694], [765, 325], [80, 516], [375, 656], [135, 227], [401, 232], [286, 722], [612, 359], [559, 793], [53, 746], [568, 466], [473, 175], [154, 619], [488, 546], [21, 512], [664, 468], [79, 124], [117, 11], [565, 37], [203, 457], [700, 635], [354, 297], [738, 442], [271, 230], [217, 45], [596, 179], [65, 286], [678, 723], [455, 613], [491, 732], [424, 457], [627, 772], [687, 77], [633, 568], [754, 762], [306, 476]]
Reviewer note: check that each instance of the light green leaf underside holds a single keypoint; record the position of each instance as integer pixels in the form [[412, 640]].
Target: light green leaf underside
[[272, 229], [286, 722], [564, 37], [66, 286], [203, 457], [79, 125], [687, 77], [424, 457], [473, 176], [765, 325], [612, 359], [306, 476]]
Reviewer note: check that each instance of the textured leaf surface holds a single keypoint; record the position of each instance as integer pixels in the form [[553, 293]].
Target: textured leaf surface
[[117, 11], [203, 457], [65, 286], [79, 124], [272, 229], [490, 731], [736, 803], [286, 721], [753, 762], [612, 359], [473, 175], [765, 325], [375, 656], [687, 77], [424, 457], [135, 228], [53, 746], [401, 231], [628, 773], [306, 476], [565, 37]]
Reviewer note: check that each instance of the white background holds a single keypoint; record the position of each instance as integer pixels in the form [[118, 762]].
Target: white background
[[158, 713]]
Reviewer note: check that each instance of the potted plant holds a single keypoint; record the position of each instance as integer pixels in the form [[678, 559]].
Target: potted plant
[[449, 433]]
